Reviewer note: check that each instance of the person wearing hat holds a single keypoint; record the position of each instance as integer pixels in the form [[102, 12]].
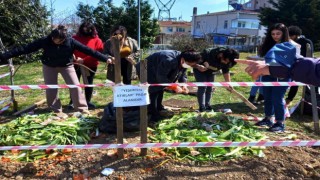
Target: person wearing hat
[[212, 61], [57, 58], [276, 45]]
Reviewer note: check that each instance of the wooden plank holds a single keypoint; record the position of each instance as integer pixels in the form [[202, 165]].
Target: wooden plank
[[115, 40], [245, 100], [143, 110], [314, 109]]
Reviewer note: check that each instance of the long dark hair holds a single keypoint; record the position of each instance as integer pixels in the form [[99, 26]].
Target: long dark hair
[[122, 29], [91, 29], [268, 42]]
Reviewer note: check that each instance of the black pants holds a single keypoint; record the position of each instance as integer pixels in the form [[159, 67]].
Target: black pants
[[87, 90], [156, 97], [292, 92]]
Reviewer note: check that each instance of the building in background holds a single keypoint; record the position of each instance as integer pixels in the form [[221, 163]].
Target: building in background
[[169, 29], [238, 28]]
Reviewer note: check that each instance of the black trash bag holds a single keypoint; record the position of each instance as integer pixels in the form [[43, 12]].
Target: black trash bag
[[307, 107], [131, 119]]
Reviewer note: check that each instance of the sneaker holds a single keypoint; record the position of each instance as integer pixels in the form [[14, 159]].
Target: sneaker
[[252, 99], [265, 122], [277, 127], [166, 113], [91, 105]]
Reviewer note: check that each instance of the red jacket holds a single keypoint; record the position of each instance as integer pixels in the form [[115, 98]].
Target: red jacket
[[93, 43]]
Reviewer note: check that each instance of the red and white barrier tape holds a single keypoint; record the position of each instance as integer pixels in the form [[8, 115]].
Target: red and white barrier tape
[[216, 84], [309, 103], [165, 145], [5, 108], [4, 75]]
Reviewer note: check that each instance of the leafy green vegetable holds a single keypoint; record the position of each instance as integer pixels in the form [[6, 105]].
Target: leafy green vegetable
[[207, 127]]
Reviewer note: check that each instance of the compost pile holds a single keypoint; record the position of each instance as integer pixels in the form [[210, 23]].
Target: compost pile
[[44, 129], [207, 127]]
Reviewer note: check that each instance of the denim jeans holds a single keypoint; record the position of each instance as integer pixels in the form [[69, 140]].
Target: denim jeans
[[204, 92]]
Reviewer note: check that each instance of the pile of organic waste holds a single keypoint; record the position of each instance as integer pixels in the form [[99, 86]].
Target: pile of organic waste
[[44, 129], [207, 127]]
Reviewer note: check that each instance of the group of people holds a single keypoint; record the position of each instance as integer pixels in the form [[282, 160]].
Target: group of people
[[65, 55]]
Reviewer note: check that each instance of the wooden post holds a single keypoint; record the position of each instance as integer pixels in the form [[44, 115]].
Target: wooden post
[[115, 40], [143, 109], [15, 103], [315, 116]]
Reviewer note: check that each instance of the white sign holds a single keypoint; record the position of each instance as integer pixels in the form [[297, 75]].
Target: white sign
[[129, 95]]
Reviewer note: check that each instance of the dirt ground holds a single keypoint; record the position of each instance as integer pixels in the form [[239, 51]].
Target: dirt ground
[[279, 163]]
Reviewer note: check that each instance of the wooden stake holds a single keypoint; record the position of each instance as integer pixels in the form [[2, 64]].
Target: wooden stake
[[143, 109], [115, 40], [245, 100]]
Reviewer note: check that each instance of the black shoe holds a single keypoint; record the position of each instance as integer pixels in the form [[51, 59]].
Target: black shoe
[[91, 105], [260, 99], [265, 122], [208, 108], [252, 99], [70, 107]]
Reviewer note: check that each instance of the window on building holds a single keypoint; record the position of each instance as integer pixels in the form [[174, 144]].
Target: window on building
[[226, 24], [169, 29], [198, 25], [245, 23], [180, 29], [241, 24]]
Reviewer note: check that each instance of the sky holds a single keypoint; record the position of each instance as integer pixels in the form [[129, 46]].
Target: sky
[[181, 8]]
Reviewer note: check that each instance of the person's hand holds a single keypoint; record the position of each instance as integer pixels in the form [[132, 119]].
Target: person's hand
[[79, 60], [131, 60], [110, 60], [229, 88], [255, 68], [201, 68], [185, 89]]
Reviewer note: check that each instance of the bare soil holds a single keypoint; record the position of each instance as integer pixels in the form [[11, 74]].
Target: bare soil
[[279, 163]]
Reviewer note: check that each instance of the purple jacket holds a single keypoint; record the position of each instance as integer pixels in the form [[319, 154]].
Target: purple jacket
[[305, 70]]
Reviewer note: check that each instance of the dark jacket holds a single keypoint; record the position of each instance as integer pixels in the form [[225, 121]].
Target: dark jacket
[[305, 70], [303, 42], [165, 67], [54, 55], [210, 55]]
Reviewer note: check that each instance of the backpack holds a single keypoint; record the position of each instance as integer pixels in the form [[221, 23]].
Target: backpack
[[131, 119], [307, 107]]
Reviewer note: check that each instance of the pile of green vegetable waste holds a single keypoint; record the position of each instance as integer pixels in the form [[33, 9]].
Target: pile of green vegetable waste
[[44, 129], [207, 127]]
